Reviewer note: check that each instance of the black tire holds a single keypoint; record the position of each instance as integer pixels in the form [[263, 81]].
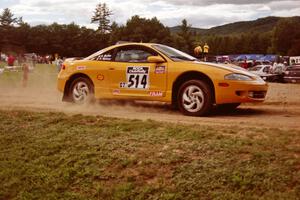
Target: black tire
[[84, 88], [197, 95], [227, 107]]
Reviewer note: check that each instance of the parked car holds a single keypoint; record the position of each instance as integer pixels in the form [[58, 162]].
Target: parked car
[[260, 70], [156, 72], [292, 74], [264, 71], [295, 60], [262, 62]]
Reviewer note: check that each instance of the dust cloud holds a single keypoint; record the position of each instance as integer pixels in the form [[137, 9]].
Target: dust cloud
[[41, 94], [282, 106]]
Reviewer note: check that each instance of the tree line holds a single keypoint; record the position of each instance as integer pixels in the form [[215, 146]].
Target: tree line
[[71, 40], [284, 39]]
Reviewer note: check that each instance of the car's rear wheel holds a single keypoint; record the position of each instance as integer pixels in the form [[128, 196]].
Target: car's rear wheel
[[81, 90], [195, 98]]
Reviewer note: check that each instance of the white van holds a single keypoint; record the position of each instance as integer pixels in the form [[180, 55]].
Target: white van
[[294, 60]]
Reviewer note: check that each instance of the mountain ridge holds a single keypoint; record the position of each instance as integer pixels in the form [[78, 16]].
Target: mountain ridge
[[259, 25]]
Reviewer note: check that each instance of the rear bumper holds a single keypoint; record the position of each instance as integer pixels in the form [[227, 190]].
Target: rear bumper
[[61, 82]]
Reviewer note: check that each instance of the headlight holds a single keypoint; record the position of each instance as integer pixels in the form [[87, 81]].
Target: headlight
[[238, 77]]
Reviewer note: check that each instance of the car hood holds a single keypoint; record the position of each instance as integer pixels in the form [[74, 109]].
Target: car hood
[[228, 67]]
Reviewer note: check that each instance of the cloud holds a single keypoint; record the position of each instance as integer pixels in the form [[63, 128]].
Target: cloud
[[199, 13], [8, 3], [284, 5], [67, 11], [209, 13], [214, 2]]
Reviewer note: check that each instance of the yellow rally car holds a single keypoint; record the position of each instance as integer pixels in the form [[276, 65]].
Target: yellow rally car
[[155, 72]]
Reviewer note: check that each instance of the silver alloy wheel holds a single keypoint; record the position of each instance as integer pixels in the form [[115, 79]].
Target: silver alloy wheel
[[192, 98], [80, 92]]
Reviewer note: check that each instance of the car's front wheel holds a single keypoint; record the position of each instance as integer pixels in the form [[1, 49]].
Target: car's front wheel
[[81, 90], [195, 98]]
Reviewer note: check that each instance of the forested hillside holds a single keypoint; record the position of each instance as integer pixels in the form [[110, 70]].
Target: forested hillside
[[266, 35]]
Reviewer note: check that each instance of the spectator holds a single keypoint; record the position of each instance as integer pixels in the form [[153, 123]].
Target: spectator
[[279, 68], [10, 60], [273, 68], [59, 63], [293, 62], [3, 57], [21, 59], [245, 64], [33, 59], [205, 51]]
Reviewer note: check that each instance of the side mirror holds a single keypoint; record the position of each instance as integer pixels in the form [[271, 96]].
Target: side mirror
[[155, 59]]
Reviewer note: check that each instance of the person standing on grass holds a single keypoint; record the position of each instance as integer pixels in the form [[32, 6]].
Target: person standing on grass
[[11, 60], [21, 59], [25, 74], [205, 51], [59, 63], [198, 51]]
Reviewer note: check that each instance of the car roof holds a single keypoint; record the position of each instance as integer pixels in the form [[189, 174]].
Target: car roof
[[122, 45], [133, 43]]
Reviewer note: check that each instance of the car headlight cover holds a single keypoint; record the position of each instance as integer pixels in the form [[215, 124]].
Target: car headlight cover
[[238, 77]]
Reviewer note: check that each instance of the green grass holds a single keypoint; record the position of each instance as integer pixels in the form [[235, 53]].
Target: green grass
[[56, 156], [43, 76], [2, 64]]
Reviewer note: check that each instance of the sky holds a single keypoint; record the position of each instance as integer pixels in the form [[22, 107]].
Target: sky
[[199, 13]]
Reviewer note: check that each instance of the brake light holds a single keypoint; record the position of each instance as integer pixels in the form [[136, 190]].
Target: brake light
[[63, 67]]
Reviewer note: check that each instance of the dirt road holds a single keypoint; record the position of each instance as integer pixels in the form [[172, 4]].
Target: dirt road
[[281, 109]]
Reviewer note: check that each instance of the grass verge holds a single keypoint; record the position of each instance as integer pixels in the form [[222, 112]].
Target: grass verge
[[43, 76], [56, 156]]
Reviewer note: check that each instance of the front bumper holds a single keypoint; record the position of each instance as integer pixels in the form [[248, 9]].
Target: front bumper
[[241, 92], [273, 78], [291, 79]]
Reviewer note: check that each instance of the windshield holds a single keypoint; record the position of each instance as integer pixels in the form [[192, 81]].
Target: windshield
[[173, 54]]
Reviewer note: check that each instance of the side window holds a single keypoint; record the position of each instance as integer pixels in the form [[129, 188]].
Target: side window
[[134, 55], [266, 69], [106, 56]]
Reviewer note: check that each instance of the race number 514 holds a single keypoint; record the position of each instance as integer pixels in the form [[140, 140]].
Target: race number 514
[[137, 77]]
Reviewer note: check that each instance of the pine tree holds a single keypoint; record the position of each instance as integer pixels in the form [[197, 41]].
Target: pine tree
[[101, 17], [7, 22], [186, 36], [7, 18]]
